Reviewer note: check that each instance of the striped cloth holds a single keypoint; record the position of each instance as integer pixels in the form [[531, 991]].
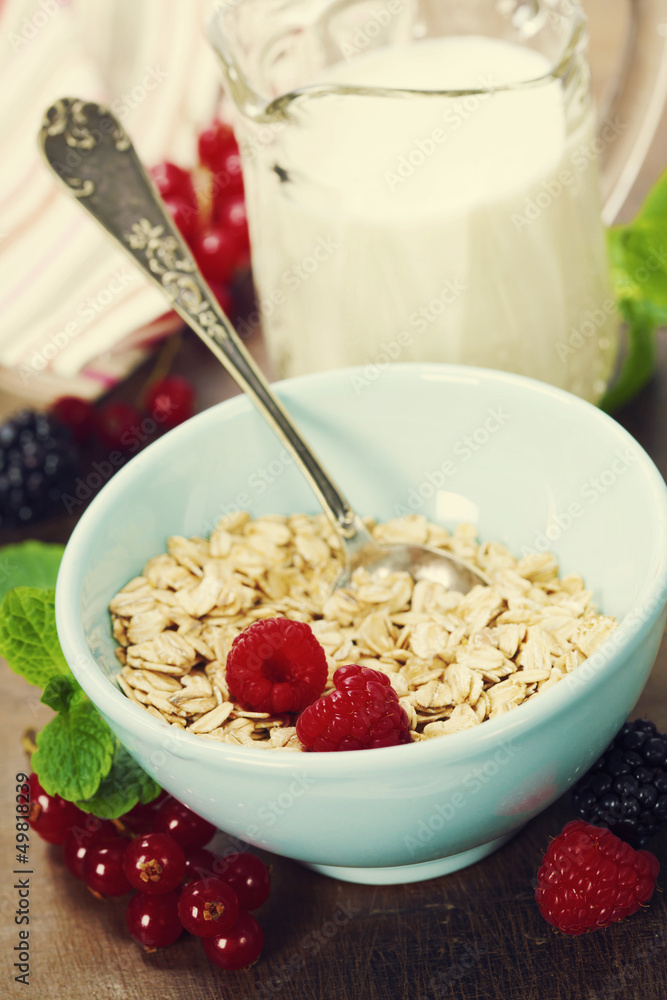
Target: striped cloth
[[75, 315]]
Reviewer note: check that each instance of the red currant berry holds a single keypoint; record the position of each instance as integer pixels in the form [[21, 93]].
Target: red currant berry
[[103, 868], [228, 176], [231, 215], [184, 825], [201, 863], [185, 217], [214, 143], [237, 948], [153, 920], [217, 254], [116, 423], [81, 839], [154, 864], [249, 878], [76, 414], [208, 908], [140, 818], [50, 816], [174, 182], [170, 401]]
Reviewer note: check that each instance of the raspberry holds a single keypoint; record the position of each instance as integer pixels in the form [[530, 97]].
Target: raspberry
[[590, 879], [363, 713], [626, 789], [276, 665]]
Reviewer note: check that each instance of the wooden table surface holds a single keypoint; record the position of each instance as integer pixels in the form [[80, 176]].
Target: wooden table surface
[[474, 935]]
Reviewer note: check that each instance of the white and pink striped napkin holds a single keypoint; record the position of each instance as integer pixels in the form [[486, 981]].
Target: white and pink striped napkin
[[75, 315]]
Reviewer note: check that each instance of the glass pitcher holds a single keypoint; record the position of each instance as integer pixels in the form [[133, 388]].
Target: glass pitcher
[[422, 182]]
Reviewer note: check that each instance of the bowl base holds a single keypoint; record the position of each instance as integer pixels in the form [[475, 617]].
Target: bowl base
[[401, 874]]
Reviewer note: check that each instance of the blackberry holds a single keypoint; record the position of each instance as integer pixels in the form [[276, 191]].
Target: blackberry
[[38, 464], [626, 789]]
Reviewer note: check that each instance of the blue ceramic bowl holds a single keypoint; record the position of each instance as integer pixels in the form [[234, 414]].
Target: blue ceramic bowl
[[530, 465]]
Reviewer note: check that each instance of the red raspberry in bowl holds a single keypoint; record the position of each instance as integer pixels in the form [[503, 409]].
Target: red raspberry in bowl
[[590, 878], [276, 665], [363, 713]]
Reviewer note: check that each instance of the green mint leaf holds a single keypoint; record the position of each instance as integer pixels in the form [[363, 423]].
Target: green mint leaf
[[638, 259], [74, 753], [638, 266], [638, 253], [125, 785], [640, 359], [29, 564], [28, 637], [62, 693]]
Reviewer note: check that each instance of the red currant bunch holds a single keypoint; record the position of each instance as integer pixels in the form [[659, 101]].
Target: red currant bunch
[[49, 815], [159, 850], [208, 206], [154, 864], [121, 426]]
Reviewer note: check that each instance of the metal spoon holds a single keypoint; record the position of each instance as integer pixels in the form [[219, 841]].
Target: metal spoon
[[88, 149]]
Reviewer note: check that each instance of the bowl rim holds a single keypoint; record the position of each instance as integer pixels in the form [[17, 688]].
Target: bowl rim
[[113, 703]]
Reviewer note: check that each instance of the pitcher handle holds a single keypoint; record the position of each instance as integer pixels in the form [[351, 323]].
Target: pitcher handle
[[636, 106]]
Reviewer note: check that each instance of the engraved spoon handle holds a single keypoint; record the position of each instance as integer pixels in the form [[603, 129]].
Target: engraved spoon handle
[[88, 149]]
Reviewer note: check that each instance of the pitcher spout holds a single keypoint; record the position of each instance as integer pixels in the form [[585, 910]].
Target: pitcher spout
[[273, 51], [225, 27]]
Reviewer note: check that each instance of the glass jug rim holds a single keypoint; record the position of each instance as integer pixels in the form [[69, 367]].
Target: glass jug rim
[[263, 109]]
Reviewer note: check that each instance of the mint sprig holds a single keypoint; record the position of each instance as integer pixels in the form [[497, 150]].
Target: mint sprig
[[124, 786], [29, 564], [638, 258], [78, 756], [28, 636], [640, 358], [62, 693], [74, 752]]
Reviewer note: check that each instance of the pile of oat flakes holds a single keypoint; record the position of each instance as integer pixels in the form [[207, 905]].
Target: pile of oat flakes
[[453, 660]]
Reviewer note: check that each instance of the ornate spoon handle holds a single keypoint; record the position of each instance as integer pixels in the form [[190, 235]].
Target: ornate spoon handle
[[88, 149]]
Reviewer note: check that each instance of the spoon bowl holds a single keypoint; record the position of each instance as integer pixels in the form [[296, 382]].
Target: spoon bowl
[[113, 186], [421, 562]]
